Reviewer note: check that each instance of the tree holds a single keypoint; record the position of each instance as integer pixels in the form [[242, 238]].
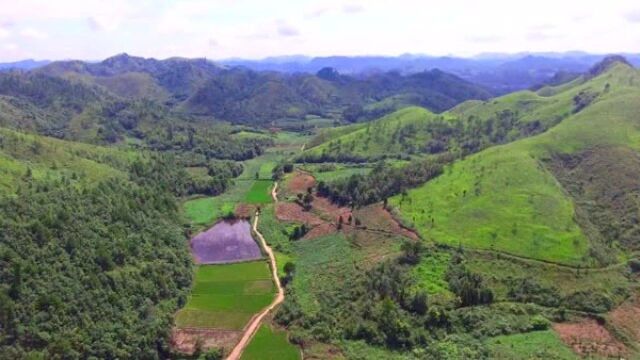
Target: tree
[[307, 200], [419, 303], [412, 251], [211, 354]]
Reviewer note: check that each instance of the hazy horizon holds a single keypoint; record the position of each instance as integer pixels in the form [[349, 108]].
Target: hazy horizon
[[249, 29]]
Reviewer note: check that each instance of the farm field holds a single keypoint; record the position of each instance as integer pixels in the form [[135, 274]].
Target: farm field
[[270, 344], [203, 211], [260, 192], [532, 345], [340, 172], [227, 296]]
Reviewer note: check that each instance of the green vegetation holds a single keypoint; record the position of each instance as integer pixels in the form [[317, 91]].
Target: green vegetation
[[93, 264], [276, 233], [203, 211], [531, 345], [500, 199], [430, 273], [329, 172], [321, 265], [506, 199], [270, 344], [260, 192], [226, 296]]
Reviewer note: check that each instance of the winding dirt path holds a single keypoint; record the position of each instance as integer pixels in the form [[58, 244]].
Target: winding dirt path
[[253, 326]]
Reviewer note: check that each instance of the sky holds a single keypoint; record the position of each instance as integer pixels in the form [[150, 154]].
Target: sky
[[253, 29]]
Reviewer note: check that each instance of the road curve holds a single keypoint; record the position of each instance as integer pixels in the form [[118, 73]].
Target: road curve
[[253, 326]]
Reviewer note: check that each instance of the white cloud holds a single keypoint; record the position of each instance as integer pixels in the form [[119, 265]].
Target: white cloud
[[256, 28], [352, 8], [32, 33], [10, 46], [633, 16], [286, 30]]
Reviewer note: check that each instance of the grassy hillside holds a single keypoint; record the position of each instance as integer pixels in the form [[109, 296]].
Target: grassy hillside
[[506, 198], [24, 156], [376, 139]]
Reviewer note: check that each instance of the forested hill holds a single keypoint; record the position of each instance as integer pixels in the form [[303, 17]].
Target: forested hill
[[240, 95], [93, 261]]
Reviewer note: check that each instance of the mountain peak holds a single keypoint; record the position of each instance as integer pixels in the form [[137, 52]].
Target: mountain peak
[[607, 63]]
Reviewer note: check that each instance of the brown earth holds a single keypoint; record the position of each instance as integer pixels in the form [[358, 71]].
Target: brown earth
[[294, 212], [375, 217], [184, 339], [244, 210], [299, 183], [626, 318], [588, 337], [320, 231], [329, 211]]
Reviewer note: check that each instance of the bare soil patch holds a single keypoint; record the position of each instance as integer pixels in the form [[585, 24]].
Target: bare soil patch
[[294, 212], [376, 218], [626, 318], [588, 338], [329, 211], [244, 211], [299, 183], [320, 231], [184, 339]]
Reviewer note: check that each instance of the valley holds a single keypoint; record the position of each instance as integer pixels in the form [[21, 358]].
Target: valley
[[178, 209]]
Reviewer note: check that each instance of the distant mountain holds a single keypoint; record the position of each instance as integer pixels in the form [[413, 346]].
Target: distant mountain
[[23, 64], [500, 72], [241, 95]]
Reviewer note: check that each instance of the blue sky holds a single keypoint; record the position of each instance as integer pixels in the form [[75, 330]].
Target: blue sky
[[216, 29]]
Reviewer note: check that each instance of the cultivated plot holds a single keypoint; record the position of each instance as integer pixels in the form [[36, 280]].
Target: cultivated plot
[[227, 296]]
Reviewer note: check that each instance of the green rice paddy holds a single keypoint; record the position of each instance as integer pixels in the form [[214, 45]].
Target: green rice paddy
[[227, 296], [270, 344]]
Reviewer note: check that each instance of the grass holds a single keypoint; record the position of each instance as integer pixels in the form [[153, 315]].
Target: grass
[[500, 199], [430, 273], [340, 173], [375, 139], [504, 198], [259, 193], [275, 232], [533, 345], [270, 344], [203, 211], [227, 296], [321, 266], [54, 159], [500, 272]]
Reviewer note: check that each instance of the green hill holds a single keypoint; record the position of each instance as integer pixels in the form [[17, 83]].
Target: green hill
[[467, 128], [25, 157], [93, 261], [534, 197]]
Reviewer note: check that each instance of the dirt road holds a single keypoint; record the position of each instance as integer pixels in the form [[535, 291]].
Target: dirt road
[[253, 326]]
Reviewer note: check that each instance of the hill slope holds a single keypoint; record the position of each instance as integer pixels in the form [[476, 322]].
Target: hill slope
[[509, 198]]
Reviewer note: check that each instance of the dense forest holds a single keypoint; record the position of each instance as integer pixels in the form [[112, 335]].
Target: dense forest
[[92, 271]]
